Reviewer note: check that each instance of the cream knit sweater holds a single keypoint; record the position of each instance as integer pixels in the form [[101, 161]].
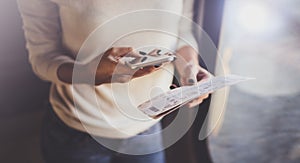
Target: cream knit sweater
[[55, 30]]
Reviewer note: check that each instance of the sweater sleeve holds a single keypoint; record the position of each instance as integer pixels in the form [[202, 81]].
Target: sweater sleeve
[[42, 29], [186, 25]]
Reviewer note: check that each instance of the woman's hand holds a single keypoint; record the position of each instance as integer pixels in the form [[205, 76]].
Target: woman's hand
[[190, 72], [194, 73], [111, 69]]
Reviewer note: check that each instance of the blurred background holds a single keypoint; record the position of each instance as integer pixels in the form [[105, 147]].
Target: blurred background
[[22, 94], [258, 38]]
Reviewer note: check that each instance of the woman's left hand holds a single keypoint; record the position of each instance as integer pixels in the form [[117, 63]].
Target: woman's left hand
[[190, 72]]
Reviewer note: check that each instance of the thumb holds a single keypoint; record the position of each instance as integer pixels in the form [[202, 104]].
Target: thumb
[[190, 76], [119, 51], [116, 53]]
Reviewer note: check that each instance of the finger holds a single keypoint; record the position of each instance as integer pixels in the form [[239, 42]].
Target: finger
[[134, 54], [116, 53], [194, 103], [145, 71], [131, 57], [203, 74], [198, 100], [122, 69], [205, 96], [190, 74], [121, 78], [155, 52], [119, 51]]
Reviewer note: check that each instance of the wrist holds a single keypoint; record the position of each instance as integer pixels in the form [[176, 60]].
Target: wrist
[[188, 54], [65, 73], [90, 74]]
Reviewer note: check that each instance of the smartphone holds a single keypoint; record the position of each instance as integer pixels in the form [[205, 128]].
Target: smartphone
[[150, 59]]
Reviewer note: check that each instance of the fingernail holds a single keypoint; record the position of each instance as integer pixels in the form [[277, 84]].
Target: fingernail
[[173, 86], [191, 81], [143, 59], [158, 52], [157, 66], [142, 53], [200, 76]]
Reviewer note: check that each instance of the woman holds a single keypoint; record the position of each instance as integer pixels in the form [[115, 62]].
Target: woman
[[56, 30]]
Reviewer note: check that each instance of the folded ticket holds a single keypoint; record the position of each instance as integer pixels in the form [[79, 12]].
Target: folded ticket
[[167, 102]]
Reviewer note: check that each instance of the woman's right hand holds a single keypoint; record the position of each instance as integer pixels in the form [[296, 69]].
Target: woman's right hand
[[111, 69]]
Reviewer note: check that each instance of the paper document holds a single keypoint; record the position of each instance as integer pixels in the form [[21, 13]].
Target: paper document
[[165, 103]]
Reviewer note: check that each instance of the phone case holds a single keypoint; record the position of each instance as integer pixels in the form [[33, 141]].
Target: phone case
[[150, 59]]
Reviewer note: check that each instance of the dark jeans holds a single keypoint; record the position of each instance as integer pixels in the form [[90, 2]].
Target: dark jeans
[[63, 144]]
